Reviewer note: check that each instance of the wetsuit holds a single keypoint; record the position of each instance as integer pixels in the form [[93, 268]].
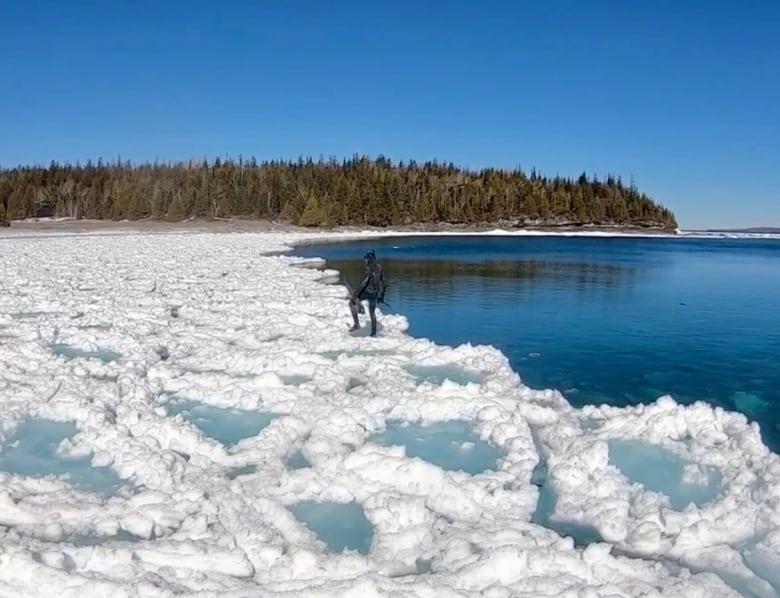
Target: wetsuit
[[371, 289]]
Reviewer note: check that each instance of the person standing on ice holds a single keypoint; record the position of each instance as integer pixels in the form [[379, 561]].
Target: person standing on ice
[[372, 288]]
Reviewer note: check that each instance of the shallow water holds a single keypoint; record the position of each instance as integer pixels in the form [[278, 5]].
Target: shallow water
[[603, 320], [660, 470], [451, 445], [227, 426], [342, 526], [69, 352], [436, 374], [32, 451], [296, 460]]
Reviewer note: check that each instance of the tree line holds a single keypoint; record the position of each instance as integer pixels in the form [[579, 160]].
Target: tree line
[[323, 193]]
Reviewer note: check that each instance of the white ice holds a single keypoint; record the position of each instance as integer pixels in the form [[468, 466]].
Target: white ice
[[220, 321]]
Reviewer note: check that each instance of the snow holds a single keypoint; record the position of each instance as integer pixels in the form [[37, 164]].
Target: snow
[[288, 407]]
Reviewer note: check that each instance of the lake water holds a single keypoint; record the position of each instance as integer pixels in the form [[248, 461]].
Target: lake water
[[604, 320]]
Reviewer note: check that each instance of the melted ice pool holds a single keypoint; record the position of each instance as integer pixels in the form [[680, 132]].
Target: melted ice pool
[[32, 451], [69, 352], [660, 470], [436, 374], [296, 460], [340, 525], [451, 445], [226, 426]]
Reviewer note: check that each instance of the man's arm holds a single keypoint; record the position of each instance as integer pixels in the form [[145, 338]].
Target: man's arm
[[382, 286]]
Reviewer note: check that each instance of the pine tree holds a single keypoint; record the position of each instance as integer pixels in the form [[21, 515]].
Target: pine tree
[[323, 193]]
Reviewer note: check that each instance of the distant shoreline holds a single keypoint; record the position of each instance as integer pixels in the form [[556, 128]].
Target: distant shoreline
[[43, 227], [241, 225], [766, 230]]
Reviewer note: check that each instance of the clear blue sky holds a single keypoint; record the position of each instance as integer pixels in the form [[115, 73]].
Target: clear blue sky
[[683, 96]]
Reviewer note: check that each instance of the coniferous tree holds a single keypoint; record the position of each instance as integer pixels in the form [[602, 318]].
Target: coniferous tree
[[357, 191]]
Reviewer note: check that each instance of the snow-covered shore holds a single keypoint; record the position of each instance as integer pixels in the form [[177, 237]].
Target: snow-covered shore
[[226, 321]]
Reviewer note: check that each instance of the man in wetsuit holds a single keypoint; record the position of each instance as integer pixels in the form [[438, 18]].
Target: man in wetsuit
[[4, 221], [371, 288]]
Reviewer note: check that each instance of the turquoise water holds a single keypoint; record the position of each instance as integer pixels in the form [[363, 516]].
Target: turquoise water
[[226, 426], [660, 470], [32, 451], [604, 320], [451, 445], [342, 526], [69, 352]]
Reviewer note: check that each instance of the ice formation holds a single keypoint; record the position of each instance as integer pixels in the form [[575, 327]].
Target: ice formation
[[103, 334]]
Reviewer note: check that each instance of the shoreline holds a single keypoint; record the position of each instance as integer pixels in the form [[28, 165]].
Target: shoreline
[[60, 227], [240, 225]]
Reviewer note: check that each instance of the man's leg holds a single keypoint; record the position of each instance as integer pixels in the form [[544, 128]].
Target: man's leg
[[353, 309], [372, 313]]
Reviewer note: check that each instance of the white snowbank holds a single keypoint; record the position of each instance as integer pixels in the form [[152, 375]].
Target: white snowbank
[[217, 318]]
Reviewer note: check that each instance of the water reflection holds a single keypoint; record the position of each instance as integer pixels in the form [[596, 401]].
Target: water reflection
[[443, 279], [617, 321]]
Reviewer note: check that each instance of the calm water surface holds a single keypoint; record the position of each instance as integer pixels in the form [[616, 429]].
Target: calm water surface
[[604, 320]]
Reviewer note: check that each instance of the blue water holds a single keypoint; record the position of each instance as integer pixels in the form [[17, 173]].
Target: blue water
[[32, 451], [226, 426], [340, 525], [451, 445], [604, 320]]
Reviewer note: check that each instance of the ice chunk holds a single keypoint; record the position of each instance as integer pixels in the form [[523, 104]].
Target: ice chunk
[[660, 470], [436, 374], [581, 533], [32, 451], [227, 426], [451, 445], [340, 525]]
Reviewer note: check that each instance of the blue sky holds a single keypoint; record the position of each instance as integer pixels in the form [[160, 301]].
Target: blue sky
[[683, 97]]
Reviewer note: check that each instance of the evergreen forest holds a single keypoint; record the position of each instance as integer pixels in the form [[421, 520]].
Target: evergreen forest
[[358, 191]]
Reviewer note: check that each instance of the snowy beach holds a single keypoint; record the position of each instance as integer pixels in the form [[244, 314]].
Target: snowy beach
[[202, 388]]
